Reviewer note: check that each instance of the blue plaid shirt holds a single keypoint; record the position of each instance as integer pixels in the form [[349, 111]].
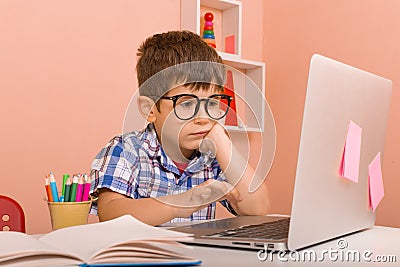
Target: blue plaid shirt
[[135, 165]]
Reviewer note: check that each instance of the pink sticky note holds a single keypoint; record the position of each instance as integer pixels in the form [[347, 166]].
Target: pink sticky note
[[375, 182], [350, 164]]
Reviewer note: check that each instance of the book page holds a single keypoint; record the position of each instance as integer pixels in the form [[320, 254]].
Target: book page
[[40, 261], [16, 245], [90, 239], [142, 249]]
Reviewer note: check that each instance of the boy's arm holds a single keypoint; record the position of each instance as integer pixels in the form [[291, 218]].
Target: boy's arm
[[155, 211], [239, 174], [151, 211]]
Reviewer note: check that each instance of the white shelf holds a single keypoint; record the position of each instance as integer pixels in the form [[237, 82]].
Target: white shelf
[[221, 4], [227, 19], [249, 84], [238, 62], [248, 75]]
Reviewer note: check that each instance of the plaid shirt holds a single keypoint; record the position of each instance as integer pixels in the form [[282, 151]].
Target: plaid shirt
[[135, 165]]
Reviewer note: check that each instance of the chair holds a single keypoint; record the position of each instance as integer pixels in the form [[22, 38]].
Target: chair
[[12, 217]]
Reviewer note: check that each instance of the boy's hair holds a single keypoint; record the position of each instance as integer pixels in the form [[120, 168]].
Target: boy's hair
[[177, 58]]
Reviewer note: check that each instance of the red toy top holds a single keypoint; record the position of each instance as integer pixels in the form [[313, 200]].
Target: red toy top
[[208, 16]]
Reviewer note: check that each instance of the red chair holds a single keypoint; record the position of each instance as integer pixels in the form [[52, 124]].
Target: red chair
[[12, 217]]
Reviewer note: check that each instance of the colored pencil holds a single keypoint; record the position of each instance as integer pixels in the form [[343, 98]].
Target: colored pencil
[[86, 189], [79, 189], [48, 190], [53, 187], [65, 177], [67, 195], [73, 188]]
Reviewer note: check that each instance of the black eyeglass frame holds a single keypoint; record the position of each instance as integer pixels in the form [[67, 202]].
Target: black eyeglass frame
[[175, 98]]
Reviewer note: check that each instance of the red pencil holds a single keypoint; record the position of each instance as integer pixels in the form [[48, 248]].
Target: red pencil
[[48, 190]]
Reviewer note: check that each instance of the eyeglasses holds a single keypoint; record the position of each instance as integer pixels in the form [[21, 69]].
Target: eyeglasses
[[186, 106]]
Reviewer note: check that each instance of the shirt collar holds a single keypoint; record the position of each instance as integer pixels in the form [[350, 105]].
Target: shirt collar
[[150, 141]]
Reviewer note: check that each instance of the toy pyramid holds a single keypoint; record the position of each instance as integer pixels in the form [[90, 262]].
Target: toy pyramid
[[208, 31]]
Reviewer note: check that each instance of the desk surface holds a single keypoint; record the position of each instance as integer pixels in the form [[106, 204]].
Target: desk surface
[[376, 247], [373, 246]]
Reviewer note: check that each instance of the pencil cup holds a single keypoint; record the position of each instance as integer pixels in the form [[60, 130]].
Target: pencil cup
[[65, 214]]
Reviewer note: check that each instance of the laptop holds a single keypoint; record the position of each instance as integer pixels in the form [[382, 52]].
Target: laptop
[[325, 205]]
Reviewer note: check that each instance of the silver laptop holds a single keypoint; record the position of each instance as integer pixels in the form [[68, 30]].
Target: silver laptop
[[325, 205]]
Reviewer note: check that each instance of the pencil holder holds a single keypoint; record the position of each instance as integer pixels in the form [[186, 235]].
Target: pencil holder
[[65, 214]]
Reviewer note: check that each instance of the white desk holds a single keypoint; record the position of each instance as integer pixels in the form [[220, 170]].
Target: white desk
[[380, 241]]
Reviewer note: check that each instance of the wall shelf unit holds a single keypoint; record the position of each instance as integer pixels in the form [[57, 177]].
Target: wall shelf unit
[[227, 19], [248, 75]]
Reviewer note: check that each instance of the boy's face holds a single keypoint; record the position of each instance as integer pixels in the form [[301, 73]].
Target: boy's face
[[180, 138]]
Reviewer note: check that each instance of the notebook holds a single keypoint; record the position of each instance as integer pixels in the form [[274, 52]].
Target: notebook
[[123, 241], [325, 204]]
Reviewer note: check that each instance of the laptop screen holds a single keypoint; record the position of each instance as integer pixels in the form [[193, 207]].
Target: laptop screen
[[325, 204]]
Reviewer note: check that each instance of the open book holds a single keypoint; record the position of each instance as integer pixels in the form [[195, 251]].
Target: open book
[[124, 241]]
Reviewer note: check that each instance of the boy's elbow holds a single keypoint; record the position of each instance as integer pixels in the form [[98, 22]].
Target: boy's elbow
[[263, 210], [258, 210], [107, 209], [258, 205], [264, 206]]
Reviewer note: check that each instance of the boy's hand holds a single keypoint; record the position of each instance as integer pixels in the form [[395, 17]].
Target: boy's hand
[[201, 196], [217, 133], [213, 190], [216, 138]]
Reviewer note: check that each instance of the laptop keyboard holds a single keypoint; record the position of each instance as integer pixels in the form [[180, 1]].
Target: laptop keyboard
[[275, 230]]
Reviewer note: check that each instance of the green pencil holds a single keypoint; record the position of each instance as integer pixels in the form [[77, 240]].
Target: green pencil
[[74, 186], [65, 178], [67, 196]]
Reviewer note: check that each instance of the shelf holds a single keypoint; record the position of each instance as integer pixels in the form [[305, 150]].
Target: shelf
[[227, 19], [249, 84], [248, 75]]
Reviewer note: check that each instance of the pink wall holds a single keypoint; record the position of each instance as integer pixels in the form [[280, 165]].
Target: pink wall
[[67, 74], [363, 33], [68, 71]]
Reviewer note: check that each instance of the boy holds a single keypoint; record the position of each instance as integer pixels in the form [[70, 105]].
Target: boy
[[159, 174]]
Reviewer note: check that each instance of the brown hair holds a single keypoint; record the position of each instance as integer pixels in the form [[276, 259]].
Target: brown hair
[[177, 58]]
